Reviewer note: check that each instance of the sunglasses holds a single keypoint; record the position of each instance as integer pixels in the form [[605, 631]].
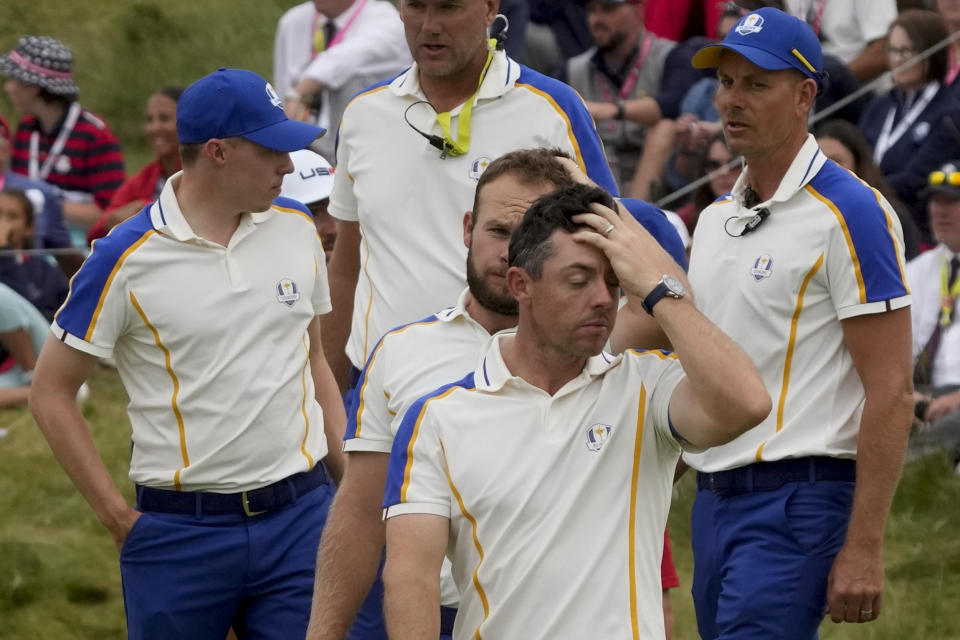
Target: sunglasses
[[939, 177], [903, 52]]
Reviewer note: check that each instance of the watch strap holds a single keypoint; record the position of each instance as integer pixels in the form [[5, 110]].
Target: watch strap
[[655, 296]]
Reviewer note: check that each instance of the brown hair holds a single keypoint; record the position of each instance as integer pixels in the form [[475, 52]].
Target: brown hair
[[925, 29], [24, 201], [528, 166]]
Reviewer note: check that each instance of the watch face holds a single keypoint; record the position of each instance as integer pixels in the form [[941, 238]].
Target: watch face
[[677, 290]]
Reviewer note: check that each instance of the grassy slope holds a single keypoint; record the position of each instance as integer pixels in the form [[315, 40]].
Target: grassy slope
[[58, 571]]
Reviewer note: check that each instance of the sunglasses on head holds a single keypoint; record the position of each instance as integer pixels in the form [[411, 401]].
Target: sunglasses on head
[[939, 177]]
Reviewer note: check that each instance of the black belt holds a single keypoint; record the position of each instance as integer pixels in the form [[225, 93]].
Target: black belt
[[447, 617], [767, 476], [251, 503]]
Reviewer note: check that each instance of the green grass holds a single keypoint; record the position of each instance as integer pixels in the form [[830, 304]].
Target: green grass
[[59, 576]]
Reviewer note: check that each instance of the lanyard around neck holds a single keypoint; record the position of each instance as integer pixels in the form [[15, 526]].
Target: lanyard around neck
[[948, 293], [37, 172], [338, 36], [461, 145], [889, 138]]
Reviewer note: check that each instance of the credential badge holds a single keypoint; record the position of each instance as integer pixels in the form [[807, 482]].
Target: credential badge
[[762, 267], [287, 292], [597, 436]]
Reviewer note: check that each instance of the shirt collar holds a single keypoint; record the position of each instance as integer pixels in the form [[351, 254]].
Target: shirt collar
[[501, 75], [806, 164], [492, 373], [167, 217]]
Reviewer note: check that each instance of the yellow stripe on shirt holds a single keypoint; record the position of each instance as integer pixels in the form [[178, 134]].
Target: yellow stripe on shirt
[[174, 402]]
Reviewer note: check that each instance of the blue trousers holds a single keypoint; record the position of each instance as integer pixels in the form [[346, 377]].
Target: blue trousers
[[195, 577], [761, 559]]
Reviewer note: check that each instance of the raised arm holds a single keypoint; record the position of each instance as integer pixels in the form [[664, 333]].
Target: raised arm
[[856, 579], [722, 394], [411, 577], [59, 373]]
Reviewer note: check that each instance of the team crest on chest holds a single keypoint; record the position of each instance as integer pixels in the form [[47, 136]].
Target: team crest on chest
[[478, 167], [287, 292], [597, 436], [762, 267]]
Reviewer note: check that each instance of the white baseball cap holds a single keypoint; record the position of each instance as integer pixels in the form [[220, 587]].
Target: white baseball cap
[[311, 180]]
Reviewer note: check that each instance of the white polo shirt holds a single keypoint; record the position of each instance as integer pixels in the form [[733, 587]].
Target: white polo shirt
[[831, 249], [923, 276], [407, 363], [211, 343], [409, 201], [557, 504]]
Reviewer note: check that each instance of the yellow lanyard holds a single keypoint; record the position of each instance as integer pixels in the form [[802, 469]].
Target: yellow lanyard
[[948, 294], [461, 145]]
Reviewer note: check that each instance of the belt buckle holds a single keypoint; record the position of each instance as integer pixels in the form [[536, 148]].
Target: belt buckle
[[246, 505]]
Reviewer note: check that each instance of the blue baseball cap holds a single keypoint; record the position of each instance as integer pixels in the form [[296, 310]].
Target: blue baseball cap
[[772, 40], [237, 102]]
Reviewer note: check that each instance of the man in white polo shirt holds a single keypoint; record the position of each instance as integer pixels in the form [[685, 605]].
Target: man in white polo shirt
[[418, 357], [208, 299], [548, 470], [802, 265], [409, 155]]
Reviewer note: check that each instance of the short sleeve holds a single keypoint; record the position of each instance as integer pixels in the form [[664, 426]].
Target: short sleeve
[[343, 200], [864, 258], [416, 479], [369, 419]]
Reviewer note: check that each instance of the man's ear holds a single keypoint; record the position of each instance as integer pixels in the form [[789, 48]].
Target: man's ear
[[467, 228], [214, 149], [518, 283]]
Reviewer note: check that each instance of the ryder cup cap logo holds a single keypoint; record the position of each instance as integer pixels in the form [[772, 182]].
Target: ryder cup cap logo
[[287, 292], [478, 167], [762, 267], [753, 23], [597, 435], [274, 98]]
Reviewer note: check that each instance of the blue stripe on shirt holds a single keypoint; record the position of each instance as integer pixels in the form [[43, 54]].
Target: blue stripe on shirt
[[866, 221], [657, 225], [585, 132], [87, 286], [399, 455]]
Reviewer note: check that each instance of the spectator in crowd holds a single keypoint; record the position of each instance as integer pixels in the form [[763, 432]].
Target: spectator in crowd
[[557, 31], [913, 127], [714, 161], [22, 332], [160, 129], [851, 30], [57, 140], [844, 143], [414, 359], [802, 267], [208, 300], [950, 11], [528, 534], [933, 281], [409, 155], [673, 19], [326, 51], [620, 77], [49, 228], [30, 275], [311, 183]]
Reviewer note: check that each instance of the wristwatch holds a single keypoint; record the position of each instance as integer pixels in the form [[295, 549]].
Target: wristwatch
[[668, 286]]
